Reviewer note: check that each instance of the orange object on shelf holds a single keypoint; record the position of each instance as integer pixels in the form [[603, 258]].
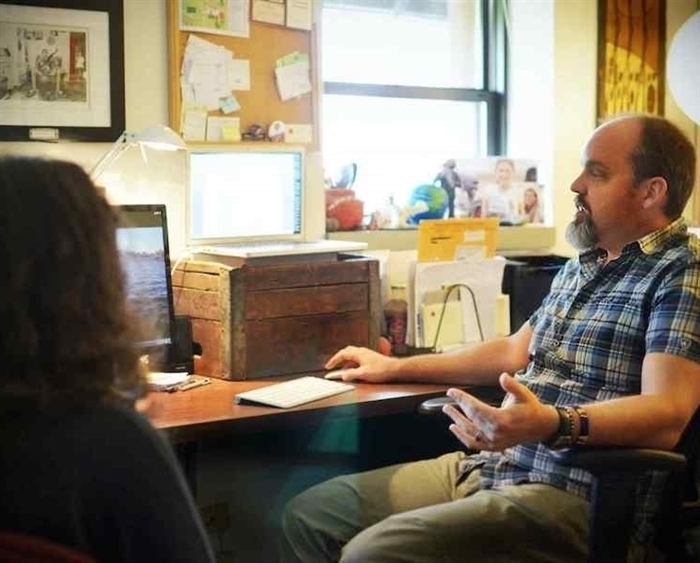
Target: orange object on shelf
[[343, 211]]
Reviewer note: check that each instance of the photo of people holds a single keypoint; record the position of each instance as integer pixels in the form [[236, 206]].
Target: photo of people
[[500, 187], [40, 63]]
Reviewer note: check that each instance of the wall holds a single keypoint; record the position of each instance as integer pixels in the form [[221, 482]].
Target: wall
[[575, 32], [130, 180], [554, 58]]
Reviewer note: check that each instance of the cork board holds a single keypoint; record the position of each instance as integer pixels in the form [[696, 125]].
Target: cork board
[[261, 104]]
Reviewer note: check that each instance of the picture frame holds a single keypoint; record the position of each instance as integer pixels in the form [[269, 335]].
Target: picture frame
[[631, 57], [61, 70]]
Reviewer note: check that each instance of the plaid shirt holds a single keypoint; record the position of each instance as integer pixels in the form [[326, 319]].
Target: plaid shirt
[[590, 336]]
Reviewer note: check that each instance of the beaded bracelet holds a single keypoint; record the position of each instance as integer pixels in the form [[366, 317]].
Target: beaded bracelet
[[564, 436]]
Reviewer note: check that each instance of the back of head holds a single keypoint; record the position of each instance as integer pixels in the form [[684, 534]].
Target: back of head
[[664, 150], [66, 336]]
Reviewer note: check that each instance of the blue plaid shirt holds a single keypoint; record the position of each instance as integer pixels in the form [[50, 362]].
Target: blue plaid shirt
[[590, 336]]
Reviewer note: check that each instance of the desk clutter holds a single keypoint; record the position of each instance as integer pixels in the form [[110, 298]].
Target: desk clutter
[[174, 382], [277, 320]]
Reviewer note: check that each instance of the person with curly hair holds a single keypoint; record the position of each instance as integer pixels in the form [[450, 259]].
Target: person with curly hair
[[79, 465]]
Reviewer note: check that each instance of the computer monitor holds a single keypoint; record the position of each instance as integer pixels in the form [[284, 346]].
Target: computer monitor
[[245, 193], [142, 241]]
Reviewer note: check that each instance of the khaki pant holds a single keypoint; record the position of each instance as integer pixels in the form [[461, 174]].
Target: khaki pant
[[426, 512]]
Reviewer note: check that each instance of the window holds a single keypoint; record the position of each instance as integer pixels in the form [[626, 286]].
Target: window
[[407, 85]]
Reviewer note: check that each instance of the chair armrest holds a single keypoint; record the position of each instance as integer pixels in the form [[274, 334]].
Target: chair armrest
[[617, 472], [601, 460], [490, 394]]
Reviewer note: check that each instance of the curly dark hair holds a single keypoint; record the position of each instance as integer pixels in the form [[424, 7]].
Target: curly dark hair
[[67, 337]]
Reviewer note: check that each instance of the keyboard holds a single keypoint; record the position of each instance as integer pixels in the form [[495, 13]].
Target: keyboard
[[293, 392]]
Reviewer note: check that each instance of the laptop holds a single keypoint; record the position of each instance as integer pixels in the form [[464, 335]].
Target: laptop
[[250, 202]]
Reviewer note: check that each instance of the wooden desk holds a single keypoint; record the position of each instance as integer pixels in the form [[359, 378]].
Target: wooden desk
[[382, 417], [210, 410]]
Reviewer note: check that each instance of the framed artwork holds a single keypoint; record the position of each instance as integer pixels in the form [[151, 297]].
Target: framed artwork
[[61, 70], [631, 53]]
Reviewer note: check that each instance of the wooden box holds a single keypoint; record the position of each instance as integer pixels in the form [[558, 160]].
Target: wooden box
[[273, 320]]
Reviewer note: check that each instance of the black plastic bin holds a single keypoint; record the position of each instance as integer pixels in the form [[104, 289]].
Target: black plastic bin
[[526, 280]]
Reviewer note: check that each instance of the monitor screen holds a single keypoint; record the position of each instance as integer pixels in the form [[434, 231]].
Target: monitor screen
[[142, 241], [244, 193]]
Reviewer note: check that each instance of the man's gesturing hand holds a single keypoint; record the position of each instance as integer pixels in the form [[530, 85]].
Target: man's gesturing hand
[[520, 419]]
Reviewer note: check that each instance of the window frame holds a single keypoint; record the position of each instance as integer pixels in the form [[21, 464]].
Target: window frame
[[494, 16]]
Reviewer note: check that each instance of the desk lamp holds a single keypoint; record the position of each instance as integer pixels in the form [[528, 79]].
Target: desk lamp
[[157, 137]]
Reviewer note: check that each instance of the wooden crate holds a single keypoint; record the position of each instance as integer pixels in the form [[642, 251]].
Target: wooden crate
[[263, 321]]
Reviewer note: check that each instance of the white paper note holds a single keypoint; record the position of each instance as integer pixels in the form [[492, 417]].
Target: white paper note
[[299, 14]]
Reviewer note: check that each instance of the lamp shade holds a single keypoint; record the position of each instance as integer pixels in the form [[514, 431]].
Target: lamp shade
[[158, 137], [683, 67]]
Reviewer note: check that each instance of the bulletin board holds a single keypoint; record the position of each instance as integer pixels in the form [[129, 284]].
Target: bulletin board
[[261, 104]]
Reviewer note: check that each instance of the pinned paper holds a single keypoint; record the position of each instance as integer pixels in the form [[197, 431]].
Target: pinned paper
[[293, 80], [268, 11], [299, 133], [238, 74], [223, 128], [231, 133], [194, 124], [229, 104], [299, 14]]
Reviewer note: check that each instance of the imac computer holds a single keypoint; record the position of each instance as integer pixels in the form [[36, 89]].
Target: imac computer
[[142, 241]]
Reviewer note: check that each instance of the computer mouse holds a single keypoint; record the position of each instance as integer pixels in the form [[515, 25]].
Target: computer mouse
[[435, 404], [335, 375]]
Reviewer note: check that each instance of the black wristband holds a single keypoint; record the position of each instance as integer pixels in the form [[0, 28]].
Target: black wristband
[[582, 437]]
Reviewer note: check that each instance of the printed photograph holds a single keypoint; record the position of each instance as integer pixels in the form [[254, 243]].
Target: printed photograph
[[41, 63], [500, 187]]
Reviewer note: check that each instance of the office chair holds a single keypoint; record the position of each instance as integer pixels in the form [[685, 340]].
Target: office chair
[[24, 548], [617, 472]]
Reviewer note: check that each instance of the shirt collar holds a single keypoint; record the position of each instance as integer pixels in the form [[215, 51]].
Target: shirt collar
[[653, 242], [648, 244]]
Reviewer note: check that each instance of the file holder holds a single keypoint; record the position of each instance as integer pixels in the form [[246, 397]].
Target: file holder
[[445, 319]]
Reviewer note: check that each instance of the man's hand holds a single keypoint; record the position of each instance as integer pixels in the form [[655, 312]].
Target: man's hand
[[363, 364], [520, 419]]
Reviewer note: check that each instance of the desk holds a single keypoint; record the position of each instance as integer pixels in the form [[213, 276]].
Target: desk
[[210, 410], [239, 477]]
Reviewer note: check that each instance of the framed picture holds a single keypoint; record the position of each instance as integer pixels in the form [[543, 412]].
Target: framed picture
[[495, 186], [631, 52], [61, 70]]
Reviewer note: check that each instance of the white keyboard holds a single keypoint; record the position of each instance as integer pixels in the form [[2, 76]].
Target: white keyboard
[[294, 392]]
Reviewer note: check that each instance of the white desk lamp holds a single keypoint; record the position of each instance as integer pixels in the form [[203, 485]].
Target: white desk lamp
[[158, 137], [683, 69]]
